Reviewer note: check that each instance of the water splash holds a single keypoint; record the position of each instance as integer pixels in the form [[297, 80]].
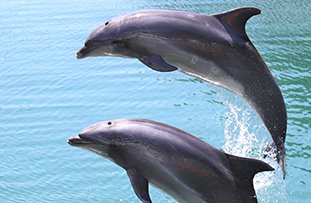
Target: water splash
[[241, 139]]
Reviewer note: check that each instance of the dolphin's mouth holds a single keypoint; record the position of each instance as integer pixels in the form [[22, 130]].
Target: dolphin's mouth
[[78, 141], [82, 52]]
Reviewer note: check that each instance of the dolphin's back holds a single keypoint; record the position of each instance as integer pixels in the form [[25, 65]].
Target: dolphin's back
[[169, 24]]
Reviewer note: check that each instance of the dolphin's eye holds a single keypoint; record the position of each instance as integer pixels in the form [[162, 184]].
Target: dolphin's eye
[[109, 123], [106, 23]]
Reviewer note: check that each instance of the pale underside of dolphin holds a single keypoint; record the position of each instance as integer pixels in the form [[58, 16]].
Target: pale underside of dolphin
[[183, 166], [214, 48]]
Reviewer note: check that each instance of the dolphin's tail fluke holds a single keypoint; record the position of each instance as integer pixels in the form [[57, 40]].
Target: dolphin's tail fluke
[[281, 158], [282, 163]]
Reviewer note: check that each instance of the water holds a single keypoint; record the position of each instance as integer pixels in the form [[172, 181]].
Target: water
[[46, 95]]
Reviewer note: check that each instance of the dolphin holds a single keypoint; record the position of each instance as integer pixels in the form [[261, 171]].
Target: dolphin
[[214, 48], [183, 166]]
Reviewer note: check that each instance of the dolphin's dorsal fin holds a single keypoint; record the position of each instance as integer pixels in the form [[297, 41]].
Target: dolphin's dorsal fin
[[244, 171], [237, 19], [140, 185]]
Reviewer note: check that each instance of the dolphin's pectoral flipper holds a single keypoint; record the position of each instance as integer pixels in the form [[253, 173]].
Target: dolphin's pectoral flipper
[[244, 170], [140, 185], [157, 63], [237, 19]]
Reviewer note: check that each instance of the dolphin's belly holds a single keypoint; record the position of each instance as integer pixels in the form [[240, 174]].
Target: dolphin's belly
[[189, 196], [159, 172], [203, 68], [185, 181], [177, 188]]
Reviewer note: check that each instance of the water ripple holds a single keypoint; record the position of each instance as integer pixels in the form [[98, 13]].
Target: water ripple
[[47, 95]]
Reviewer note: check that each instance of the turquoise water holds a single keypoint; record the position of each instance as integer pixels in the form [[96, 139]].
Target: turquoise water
[[46, 96]]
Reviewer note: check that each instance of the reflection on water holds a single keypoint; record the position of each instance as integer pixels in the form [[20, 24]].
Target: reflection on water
[[47, 95]]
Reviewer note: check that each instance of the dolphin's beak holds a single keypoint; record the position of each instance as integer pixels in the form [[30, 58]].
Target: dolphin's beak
[[78, 141], [81, 53]]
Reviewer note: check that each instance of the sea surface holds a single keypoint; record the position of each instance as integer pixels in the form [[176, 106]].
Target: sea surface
[[47, 95]]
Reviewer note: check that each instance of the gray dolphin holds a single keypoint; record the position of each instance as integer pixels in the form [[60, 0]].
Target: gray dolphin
[[214, 48], [183, 166]]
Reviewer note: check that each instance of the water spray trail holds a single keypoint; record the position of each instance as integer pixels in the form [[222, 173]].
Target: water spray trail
[[242, 139]]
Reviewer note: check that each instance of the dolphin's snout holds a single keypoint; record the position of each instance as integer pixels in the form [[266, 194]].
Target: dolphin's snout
[[77, 141], [81, 53]]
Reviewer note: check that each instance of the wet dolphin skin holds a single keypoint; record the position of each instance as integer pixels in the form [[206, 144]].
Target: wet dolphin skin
[[183, 166]]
